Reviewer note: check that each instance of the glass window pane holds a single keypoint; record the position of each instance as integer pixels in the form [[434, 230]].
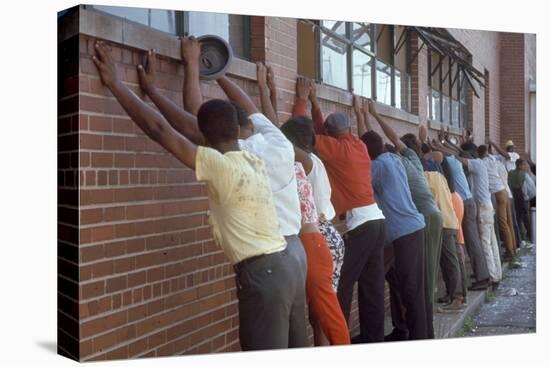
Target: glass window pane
[[454, 110], [383, 82], [445, 76], [337, 27], [334, 61], [436, 105], [362, 73], [227, 26], [384, 44], [401, 56], [361, 35], [463, 87], [446, 108], [454, 78], [138, 15], [463, 115], [402, 90], [164, 20], [201, 23], [436, 81]]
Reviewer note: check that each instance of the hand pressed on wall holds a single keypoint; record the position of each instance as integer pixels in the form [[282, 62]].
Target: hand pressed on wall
[[147, 74], [105, 64]]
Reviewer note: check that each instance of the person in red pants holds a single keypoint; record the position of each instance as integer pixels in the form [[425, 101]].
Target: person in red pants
[[325, 314]]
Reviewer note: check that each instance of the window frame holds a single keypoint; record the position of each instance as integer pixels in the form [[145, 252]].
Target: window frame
[[455, 81], [371, 52]]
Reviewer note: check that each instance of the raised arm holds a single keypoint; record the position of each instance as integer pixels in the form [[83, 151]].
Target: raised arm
[[316, 112], [272, 88], [147, 118], [181, 120], [267, 107], [390, 133], [500, 151], [437, 146], [237, 95], [423, 134], [190, 52], [358, 110]]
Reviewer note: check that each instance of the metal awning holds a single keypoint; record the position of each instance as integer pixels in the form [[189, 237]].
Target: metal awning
[[442, 42]]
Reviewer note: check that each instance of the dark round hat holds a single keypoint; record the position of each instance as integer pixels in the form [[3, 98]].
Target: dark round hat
[[215, 58]]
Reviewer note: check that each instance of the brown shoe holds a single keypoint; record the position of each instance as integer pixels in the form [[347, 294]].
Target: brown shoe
[[453, 307]]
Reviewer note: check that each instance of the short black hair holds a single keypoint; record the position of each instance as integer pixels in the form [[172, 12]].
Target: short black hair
[[425, 148], [299, 130], [242, 116], [374, 143], [410, 141], [470, 148], [481, 150], [390, 148], [218, 121], [519, 162]]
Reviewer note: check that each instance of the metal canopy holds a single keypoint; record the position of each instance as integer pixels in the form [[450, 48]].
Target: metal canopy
[[440, 41]]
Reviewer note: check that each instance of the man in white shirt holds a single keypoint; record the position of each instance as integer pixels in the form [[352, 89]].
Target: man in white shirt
[[508, 154], [500, 198]]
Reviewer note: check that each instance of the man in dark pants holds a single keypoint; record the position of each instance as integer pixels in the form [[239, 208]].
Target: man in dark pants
[[408, 147], [348, 166], [405, 229]]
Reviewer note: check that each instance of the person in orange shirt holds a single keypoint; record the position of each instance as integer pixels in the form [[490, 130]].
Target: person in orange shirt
[[348, 166]]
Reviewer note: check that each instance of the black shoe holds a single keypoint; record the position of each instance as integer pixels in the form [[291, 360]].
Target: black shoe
[[479, 286], [396, 335], [445, 299], [495, 285]]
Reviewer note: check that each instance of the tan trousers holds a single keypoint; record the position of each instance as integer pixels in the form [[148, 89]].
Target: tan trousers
[[505, 222], [485, 216]]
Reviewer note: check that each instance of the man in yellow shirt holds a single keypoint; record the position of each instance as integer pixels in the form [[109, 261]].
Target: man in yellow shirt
[[242, 214], [449, 261]]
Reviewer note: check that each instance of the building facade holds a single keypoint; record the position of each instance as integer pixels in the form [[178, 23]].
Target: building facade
[[139, 273]]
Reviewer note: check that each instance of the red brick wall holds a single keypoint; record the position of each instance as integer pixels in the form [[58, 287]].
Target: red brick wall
[[67, 194], [513, 89]]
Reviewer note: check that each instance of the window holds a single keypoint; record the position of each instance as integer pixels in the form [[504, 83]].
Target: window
[[448, 91], [368, 59], [232, 28]]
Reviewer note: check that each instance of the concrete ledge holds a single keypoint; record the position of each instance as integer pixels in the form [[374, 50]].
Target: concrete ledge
[[114, 29]]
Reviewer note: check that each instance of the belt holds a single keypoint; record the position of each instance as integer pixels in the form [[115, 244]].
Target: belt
[[238, 266]]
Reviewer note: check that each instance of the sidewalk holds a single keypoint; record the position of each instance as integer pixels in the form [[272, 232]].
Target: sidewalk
[[488, 317], [513, 308]]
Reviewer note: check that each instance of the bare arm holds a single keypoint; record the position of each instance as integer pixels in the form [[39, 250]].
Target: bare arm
[[272, 88], [436, 145], [147, 118], [192, 96], [390, 133], [304, 158], [423, 134], [267, 107], [181, 120], [237, 95], [357, 108], [500, 151]]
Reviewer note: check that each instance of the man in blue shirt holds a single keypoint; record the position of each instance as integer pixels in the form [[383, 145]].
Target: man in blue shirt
[[472, 238], [405, 229]]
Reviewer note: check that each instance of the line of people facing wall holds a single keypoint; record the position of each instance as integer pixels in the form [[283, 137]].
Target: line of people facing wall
[[408, 208]]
